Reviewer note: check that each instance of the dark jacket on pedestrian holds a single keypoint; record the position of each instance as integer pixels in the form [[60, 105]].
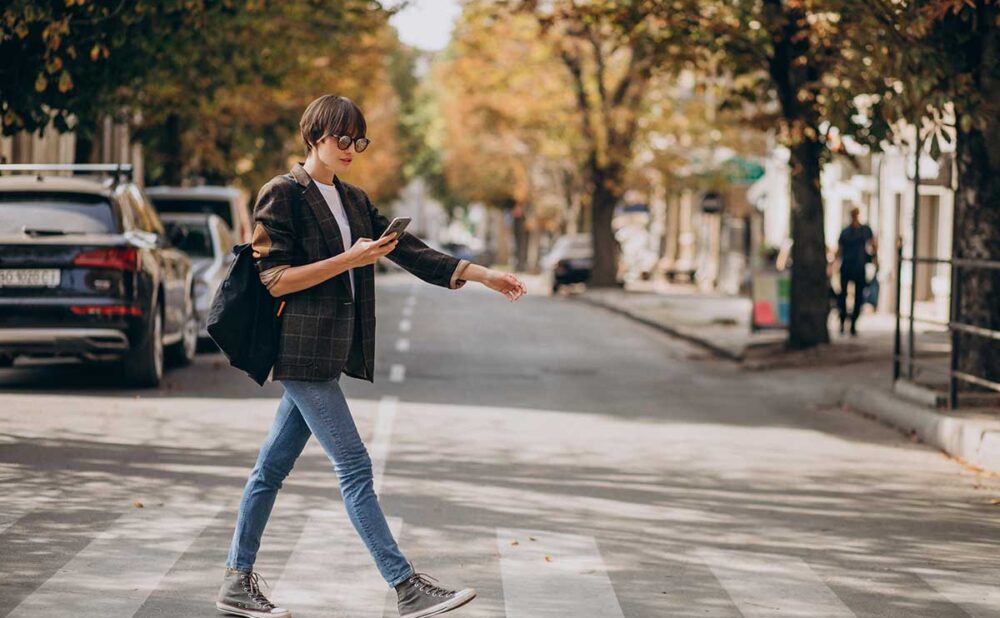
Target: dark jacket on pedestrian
[[325, 331]]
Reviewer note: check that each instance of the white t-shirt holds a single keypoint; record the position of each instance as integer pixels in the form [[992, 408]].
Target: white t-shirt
[[337, 208]]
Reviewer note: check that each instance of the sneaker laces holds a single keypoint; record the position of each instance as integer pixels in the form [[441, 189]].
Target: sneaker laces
[[420, 580], [252, 588]]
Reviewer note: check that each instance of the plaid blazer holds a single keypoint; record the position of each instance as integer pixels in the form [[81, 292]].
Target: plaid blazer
[[323, 329]]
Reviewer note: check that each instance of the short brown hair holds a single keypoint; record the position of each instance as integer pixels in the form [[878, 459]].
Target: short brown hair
[[331, 115]]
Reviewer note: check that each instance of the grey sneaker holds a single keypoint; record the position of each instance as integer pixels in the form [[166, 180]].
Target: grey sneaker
[[240, 595], [419, 597]]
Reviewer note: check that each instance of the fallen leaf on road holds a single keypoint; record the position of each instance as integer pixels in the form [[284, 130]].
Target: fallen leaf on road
[[995, 501], [514, 542], [548, 558], [137, 504], [531, 538]]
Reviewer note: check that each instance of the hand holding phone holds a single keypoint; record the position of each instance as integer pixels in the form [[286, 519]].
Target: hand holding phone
[[397, 225]]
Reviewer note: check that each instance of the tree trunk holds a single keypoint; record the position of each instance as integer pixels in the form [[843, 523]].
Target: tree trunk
[[810, 304], [977, 216], [87, 145], [520, 238], [173, 163], [602, 208]]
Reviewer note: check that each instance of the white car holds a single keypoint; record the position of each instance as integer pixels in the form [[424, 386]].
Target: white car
[[229, 203], [208, 241]]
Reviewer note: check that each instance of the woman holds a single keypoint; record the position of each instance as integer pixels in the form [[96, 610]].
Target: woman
[[315, 242]]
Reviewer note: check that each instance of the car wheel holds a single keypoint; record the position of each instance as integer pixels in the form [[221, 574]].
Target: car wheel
[[184, 351], [144, 364], [555, 287]]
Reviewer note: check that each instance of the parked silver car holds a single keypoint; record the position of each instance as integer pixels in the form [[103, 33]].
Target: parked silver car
[[208, 241]]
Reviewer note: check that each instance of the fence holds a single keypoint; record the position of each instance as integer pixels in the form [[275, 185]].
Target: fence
[[954, 324]]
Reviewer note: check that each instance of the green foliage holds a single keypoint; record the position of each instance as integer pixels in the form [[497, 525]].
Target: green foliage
[[214, 88]]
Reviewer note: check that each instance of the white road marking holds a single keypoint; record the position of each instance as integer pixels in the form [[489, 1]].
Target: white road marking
[[978, 593], [397, 372], [382, 438], [556, 575], [403, 345], [408, 310], [411, 300], [404, 325], [773, 586], [330, 572], [116, 572]]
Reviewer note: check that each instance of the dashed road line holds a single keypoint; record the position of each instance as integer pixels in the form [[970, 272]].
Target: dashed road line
[[397, 372]]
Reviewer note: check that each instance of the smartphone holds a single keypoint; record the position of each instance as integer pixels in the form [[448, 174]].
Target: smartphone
[[397, 225]]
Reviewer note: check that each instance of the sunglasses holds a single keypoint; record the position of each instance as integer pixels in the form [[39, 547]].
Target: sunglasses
[[344, 142]]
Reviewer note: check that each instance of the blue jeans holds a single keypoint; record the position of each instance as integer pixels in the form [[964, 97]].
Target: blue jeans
[[319, 409]]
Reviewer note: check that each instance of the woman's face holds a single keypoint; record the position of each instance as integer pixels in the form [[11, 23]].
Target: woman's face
[[333, 158]]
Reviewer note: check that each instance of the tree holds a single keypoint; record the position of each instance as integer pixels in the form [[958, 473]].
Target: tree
[[610, 50], [790, 63], [213, 89], [503, 128], [70, 61]]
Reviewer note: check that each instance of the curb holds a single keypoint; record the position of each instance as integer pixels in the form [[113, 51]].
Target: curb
[[977, 442], [670, 330]]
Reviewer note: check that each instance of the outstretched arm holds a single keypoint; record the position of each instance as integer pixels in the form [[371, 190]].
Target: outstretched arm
[[439, 268], [505, 283]]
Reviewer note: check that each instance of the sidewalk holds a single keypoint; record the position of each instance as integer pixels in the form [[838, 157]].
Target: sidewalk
[[721, 324], [859, 375]]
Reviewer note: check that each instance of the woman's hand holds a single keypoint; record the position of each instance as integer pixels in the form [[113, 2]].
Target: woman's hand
[[505, 283], [366, 251]]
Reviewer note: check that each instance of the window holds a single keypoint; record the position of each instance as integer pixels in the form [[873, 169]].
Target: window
[[197, 240], [56, 212], [208, 206]]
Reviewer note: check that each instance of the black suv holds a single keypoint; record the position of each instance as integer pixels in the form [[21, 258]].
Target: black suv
[[87, 271]]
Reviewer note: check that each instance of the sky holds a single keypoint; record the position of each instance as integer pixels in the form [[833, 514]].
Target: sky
[[426, 24]]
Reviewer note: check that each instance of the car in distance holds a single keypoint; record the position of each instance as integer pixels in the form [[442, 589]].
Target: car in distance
[[571, 260], [229, 203], [208, 242], [87, 271]]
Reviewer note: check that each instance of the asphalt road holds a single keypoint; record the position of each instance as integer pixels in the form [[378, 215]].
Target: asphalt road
[[559, 458]]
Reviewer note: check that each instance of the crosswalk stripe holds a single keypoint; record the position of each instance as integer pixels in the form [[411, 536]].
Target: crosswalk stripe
[[121, 566], [330, 571], [382, 438], [978, 594], [772, 586], [555, 575]]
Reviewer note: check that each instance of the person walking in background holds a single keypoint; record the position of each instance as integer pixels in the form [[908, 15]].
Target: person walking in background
[[854, 253], [313, 245]]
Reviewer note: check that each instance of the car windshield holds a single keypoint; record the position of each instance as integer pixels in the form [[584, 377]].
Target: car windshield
[[205, 206], [197, 240], [56, 213]]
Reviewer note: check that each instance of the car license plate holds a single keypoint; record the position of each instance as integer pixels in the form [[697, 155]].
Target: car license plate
[[29, 277]]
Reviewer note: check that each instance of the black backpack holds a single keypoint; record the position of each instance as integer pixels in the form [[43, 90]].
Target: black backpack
[[243, 320]]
